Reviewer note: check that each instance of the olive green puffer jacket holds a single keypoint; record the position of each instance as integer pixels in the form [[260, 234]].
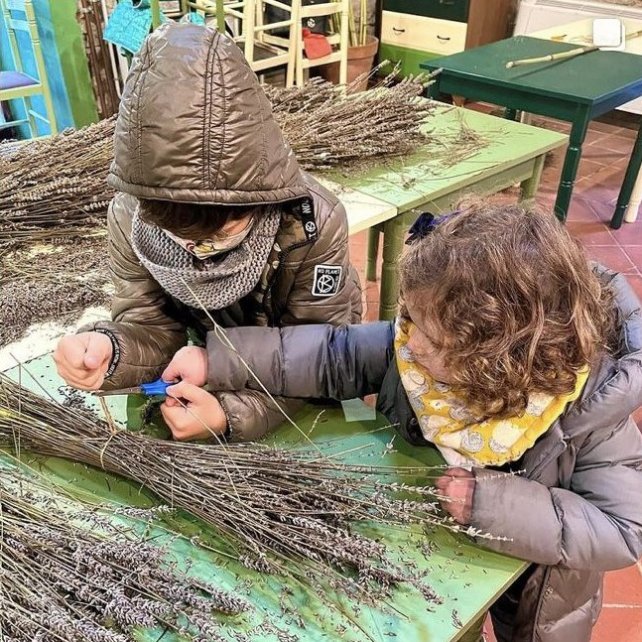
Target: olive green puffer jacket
[[195, 126]]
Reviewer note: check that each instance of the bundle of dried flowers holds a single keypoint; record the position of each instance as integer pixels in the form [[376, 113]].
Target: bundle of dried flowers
[[56, 280], [328, 128], [56, 187], [271, 505], [73, 572]]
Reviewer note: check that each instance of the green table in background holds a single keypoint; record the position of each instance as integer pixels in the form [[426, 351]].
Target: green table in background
[[467, 578], [511, 153], [576, 90]]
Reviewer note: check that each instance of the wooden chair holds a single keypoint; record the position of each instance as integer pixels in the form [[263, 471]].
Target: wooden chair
[[17, 84], [338, 11], [263, 50]]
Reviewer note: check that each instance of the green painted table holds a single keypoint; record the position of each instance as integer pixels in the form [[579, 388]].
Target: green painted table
[[511, 153], [467, 578], [576, 90]]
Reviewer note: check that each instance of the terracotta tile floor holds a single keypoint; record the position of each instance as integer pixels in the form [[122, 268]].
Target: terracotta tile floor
[[604, 160]]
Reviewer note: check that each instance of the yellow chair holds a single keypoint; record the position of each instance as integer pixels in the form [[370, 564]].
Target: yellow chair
[[17, 84], [338, 11], [263, 50]]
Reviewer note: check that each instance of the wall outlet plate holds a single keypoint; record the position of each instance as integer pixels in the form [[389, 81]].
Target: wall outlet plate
[[609, 33]]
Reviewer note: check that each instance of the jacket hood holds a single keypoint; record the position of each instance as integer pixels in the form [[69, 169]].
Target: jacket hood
[[614, 389], [194, 126]]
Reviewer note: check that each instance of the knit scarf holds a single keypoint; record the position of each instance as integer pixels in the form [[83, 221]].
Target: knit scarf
[[463, 439], [218, 282]]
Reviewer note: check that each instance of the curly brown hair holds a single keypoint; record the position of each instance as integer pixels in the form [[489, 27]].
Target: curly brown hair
[[518, 306], [192, 220]]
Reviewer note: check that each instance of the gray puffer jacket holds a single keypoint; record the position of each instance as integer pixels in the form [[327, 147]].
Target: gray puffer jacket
[[577, 510]]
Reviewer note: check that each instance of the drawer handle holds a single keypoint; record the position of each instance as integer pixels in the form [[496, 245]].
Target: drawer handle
[[398, 30], [443, 38], [450, 3]]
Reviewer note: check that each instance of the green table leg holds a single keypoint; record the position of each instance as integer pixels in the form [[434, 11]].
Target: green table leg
[[156, 14], [393, 236], [571, 164], [632, 173], [432, 91], [220, 16], [373, 251], [530, 186]]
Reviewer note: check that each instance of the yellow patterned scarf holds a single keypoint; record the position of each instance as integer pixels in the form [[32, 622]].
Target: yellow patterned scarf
[[461, 437]]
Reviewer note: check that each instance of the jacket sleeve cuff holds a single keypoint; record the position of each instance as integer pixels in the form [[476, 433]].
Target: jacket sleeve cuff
[[241, 425], [124, 369], [521, 512]]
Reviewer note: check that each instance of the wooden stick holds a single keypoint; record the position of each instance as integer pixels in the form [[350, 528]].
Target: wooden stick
[[564, 55], [635, 34], [352, 27], [572, 53]]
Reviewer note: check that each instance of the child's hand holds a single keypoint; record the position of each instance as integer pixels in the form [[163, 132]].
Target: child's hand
[[83, 359], [189, 364], [458, 485], [198, 415]]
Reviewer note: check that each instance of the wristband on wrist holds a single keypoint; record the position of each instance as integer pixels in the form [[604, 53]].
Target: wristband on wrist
[[115, 352]]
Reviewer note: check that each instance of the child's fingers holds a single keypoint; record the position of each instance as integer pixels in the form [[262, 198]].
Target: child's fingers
[[171, 402], [190, 393], [70, 353], [169, 414], [173, 418], [172, 372], [183, 390], [443, 482], [458, 472], [98, 351]]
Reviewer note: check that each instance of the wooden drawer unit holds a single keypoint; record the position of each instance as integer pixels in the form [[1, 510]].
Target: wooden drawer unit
[[411, 29], [425, 34]]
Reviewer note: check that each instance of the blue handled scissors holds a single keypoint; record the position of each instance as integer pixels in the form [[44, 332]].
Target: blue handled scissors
[[156, 388]]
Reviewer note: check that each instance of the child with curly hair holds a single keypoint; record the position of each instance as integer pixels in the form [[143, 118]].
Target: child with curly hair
[[511, 353]]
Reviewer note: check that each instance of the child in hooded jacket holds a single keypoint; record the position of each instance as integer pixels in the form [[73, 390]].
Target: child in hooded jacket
[[510, 353], [213, 218]]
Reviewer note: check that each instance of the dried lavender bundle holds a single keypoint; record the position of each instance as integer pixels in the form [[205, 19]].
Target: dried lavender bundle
[[70, 572], [57, 187], [327, 128], [271, 505], [56, 280]]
